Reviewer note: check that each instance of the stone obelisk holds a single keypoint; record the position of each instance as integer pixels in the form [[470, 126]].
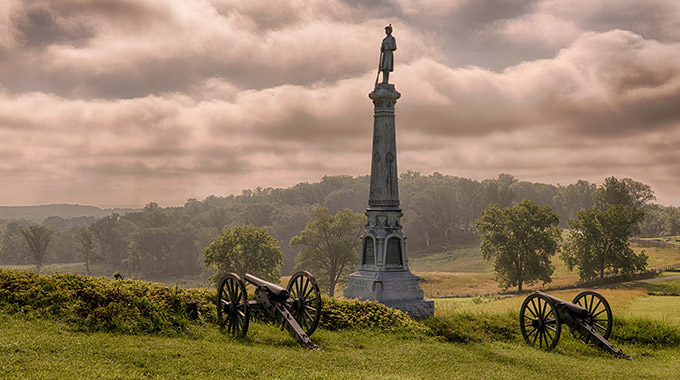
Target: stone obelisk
[[383, 274]]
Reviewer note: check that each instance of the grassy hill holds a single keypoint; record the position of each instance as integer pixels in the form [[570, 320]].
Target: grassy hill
[[469, 338], [462, 271]]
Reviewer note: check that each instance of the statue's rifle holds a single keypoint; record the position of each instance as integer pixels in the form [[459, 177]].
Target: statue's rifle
[[379, 63]]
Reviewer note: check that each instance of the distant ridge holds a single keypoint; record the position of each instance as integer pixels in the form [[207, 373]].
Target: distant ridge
[[38, 213]]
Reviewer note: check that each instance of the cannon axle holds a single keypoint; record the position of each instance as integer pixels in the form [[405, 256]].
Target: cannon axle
[[297, 307], [588, 317]]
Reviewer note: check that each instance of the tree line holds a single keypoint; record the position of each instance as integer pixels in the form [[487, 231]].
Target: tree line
[[439, 210], [521, 240]]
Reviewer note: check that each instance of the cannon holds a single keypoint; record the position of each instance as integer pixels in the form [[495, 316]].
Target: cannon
[[588, 317], [297, 307]]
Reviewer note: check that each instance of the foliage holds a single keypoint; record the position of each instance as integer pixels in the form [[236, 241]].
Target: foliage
[[139, 307], [354, 314], [14, 249], [599, 241], [520, 240], [466, 327], [244, 250], [439, 214], [98, 304], [38, 238], [330, 245], [86, 246], [623, 192], [660, 221], [157, 251], [111, 232]]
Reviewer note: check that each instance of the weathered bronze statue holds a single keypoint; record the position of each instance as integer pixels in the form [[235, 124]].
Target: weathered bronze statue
[[387, 48]]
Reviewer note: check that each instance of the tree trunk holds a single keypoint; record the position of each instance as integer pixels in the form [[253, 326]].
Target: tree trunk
[[87, 267], [332, 290], [519, 287]]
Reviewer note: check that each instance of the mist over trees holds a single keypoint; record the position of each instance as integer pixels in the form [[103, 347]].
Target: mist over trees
[[439, 211]]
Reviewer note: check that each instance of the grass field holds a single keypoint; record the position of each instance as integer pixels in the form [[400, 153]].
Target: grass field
[[40, 348], [34, 346], [463, 272]]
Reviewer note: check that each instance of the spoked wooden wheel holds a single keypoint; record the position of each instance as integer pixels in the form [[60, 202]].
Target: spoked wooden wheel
[[232, 305], [539, 322], [305, 301], [600, 312]]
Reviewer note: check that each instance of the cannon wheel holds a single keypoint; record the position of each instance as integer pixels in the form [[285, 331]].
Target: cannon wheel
[[305, 301], [232, 305], [599, 309], [539, 322]]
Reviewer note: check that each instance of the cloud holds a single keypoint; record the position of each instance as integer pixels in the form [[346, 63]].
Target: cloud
[[136, 48], [123, 102], [605, 85]]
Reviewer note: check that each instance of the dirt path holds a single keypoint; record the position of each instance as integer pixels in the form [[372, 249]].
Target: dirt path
[[639, 281]]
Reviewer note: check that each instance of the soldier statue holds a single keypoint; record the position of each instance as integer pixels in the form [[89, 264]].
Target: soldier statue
[[389, 45]]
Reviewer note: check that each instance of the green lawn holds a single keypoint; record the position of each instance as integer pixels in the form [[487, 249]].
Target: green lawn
[[33, 347], [44, 349]]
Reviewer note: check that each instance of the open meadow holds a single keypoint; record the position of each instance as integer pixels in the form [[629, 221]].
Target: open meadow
[[462, 271], [475, 337], [470, 337]]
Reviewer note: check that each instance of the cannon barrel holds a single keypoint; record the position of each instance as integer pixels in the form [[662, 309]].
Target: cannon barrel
[[573, 308], [588, 317], [278, 292]]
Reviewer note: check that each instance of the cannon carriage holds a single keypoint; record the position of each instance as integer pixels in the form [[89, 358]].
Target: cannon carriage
[[297, 307], [588, 316]]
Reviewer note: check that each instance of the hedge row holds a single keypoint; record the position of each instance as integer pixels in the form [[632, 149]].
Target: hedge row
[[139, 307], [135, 307]]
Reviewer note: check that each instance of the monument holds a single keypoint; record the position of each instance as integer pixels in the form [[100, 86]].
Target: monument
[[383, 274]]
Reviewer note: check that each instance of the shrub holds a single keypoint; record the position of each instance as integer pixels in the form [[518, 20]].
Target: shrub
[[341, 314], [471, 327], [134, 307], [99, 304]]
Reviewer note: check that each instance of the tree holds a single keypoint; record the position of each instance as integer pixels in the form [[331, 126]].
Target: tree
[[599, 241], [163, 251], [111, 232], [38, 238], [245, 249], [498, 191], [13, 247], [520, 240], [288, 221], [625, 192], [330, 245], [575, 197], [86, 245]]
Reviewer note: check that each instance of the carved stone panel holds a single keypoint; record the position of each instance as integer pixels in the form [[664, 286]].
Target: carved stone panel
[[393, 255], [368, 254]]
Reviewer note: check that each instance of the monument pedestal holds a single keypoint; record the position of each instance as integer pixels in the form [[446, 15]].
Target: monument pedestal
[[398, 290], [383, 273]]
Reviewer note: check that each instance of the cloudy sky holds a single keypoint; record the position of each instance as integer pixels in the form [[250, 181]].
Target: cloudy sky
[[123, 102]]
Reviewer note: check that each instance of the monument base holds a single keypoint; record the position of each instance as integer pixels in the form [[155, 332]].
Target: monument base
[[398, 290]]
